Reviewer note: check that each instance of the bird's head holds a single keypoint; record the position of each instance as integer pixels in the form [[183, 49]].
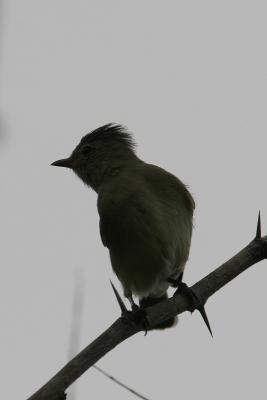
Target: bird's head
[[99, 153]]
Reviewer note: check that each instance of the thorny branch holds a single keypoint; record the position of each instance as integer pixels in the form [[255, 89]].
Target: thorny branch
[[122, 329]]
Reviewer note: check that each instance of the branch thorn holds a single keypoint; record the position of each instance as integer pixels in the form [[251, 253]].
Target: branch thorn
[[258, 232], [202, 311], [119, 299]]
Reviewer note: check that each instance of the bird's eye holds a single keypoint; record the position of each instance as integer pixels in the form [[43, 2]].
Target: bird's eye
[[86, 149]]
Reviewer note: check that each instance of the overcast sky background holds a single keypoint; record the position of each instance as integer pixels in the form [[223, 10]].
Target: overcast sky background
[[189, 79]]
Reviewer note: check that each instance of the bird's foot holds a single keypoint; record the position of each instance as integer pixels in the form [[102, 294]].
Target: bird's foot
[[183, 289], [137, 316]]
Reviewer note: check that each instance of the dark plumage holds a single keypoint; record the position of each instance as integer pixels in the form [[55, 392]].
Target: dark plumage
[[145, 212], [110, 133]]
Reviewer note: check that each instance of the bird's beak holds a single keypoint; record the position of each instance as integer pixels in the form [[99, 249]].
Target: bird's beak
[[65, 162]]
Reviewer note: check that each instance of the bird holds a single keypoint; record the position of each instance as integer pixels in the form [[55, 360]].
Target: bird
[[145, 215]]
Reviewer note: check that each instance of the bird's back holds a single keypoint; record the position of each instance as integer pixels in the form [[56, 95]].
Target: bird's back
[[146, 222]]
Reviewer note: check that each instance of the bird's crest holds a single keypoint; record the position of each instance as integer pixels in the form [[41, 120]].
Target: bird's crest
[[110, 133]]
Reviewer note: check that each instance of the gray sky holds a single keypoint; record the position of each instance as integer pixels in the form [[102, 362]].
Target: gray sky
[[189, 79]]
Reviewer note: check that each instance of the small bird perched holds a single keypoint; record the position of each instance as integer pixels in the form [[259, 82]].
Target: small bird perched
[[145, 214]]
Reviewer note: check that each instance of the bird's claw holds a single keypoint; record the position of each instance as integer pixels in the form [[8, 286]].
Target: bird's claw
[[189, 293], [136, 316]]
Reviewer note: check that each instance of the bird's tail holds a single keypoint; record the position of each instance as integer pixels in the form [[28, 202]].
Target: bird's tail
[[149, 302]]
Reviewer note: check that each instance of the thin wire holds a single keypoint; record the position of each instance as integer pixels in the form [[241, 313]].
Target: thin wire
[[77, 311], [76, 325], [2, 50], [120, 383]]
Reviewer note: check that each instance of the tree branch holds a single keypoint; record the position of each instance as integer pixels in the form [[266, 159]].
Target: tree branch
[[122, 328]]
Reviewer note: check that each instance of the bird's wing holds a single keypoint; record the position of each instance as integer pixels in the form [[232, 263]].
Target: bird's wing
[[103, 230], [129, 214], [168, 188], [152, 202], [144, 224], [134, 233]]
